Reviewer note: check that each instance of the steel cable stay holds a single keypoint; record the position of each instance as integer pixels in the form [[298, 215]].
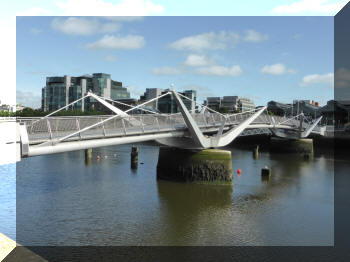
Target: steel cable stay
[[101, 122]]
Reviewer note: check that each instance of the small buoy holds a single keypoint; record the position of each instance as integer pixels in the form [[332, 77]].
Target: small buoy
[[239, 171], [106, 156]]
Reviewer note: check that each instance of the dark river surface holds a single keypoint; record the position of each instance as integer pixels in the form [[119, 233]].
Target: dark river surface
[[63, 201]]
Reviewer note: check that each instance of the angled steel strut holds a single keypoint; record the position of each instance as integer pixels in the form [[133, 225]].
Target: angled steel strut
[[216, 141]]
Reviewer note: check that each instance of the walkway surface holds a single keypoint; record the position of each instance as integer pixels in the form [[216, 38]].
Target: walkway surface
[[11, 252], [6, 246]]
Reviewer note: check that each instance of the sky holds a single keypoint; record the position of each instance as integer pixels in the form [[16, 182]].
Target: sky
[[285, 53]]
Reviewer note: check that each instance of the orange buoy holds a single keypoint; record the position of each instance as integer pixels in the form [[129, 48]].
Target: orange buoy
[[239, 171]]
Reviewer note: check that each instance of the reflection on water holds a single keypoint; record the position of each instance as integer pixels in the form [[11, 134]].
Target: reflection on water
[[63, 200], [184, 205], [8, 200]]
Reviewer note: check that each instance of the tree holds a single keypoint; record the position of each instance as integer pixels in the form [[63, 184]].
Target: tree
[[223, 110]]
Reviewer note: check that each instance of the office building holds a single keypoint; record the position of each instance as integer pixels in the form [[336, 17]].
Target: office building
[[230, 104], [245, 104], [213, 103], [335, 113], [167, 104], [150, 94], [309, 108], [62, 90]]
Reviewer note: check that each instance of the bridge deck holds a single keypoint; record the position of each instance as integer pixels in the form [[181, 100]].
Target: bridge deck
[[54, 128]]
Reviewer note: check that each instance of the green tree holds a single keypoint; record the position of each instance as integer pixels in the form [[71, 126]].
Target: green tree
[[223, 110]]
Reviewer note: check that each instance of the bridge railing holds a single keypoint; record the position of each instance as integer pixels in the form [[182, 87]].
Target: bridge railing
[[52, 128]]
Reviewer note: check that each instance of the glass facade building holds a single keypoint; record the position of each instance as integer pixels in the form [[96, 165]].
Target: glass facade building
[[167, 104], [60, 91], [230, 103]]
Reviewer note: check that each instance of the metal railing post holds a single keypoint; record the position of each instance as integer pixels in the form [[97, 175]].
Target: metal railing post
[[169, 122], [123, 123], [214, 122], [142, 127], [157, 122], [49, 127], [103, 126], [78, 126], [205, 120]]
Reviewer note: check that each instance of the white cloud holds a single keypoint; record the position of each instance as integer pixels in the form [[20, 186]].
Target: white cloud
[[317, 79], [135, 90], [34, 11], [342, 78], [276, 69], [35, 31], [254, 36], [40, 73], [197, 60], [206, 41], [124, 18], [28, 99], [297, 36], [110, 27], [83, 26], [104, 8], [123, 42], [220, 70], [202, 91], [166, 71], [311, 6], [110, 58]]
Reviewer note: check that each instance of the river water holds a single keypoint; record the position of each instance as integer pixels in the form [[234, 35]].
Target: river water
[[64, 201]]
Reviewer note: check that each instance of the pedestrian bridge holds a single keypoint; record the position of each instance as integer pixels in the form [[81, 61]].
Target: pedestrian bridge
[[50, 134]]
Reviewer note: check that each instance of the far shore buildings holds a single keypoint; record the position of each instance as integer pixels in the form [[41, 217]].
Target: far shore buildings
[[11, 108], [335, 113], [308, 107], [167, 104], [62, 90], [230, 104]]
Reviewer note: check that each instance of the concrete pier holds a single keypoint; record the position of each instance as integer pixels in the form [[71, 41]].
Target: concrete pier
[[302, 145], [205, 166]]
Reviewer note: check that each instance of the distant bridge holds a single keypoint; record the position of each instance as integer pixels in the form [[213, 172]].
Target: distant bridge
[[49, 134]]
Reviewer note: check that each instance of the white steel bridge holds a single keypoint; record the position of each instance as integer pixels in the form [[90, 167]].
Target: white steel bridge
[[49, 134]]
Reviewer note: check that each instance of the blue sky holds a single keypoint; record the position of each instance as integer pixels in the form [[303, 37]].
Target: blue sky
[[38, 8], [264, 58]]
